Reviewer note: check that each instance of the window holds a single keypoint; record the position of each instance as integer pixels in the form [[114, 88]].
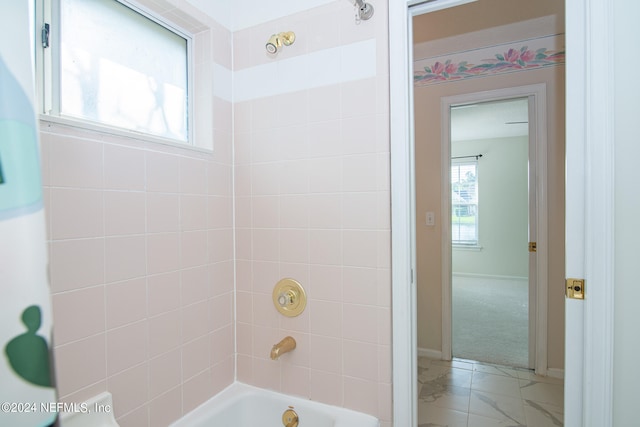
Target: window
[[114, 65], [464, 203]]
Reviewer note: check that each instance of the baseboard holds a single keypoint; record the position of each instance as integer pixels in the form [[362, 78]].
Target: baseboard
[[489, 276], [555, 373], [430, 353]]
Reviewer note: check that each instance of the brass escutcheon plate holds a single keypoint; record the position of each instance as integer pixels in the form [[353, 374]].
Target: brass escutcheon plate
[[289, 297]]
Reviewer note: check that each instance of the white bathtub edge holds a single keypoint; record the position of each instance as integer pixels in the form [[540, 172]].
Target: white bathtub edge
[[236, 390]]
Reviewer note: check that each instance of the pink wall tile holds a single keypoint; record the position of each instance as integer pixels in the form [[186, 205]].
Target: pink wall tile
[[360, 360], [360, 322], [126, 347], [265, 212], [361, 395], [165, 333], [126, 302], [326, 319], [80, 364], [220, 176], [196, 390], [166, 408], [193, 212], [74, 162], [360, 210], [245, 368], [326, 283], [129, 388], [76, 264], [325, 354], [195, 321], [218, 243], [265, 179], [124, 258], [163, 252], [222, 310], [325, 175], [163, 293], [221, 342], [193, 176], [326, 387], [195, 284], [196, 356], [165, 373], [163, 212], [295, 381], [124, 213], [360, 248], [266, 243], [264, 314], [325, 247], [294, 176], [124, 168], [76, 213], [135, 418], [223, 374], [193, 249], [266, 373], [294, 246], [360, 285], [324, 138], [265, 275], [219, 212], [85, 304], [294, 142], [162, 172]]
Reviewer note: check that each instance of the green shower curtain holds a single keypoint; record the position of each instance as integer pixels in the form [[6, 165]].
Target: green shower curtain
[[27, 392]]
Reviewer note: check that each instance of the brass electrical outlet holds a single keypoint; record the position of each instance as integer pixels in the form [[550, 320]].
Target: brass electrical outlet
[[575, 288]]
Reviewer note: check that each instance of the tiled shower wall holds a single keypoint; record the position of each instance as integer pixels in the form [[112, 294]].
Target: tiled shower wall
[[313, 203], [141, 261]]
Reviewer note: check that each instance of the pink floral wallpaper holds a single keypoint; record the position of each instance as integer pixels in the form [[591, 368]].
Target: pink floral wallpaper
[[513, 57]]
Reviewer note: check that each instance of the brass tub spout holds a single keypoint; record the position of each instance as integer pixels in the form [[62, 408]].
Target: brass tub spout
[[284, 346]]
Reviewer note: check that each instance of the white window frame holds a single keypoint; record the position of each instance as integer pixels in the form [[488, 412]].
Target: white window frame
[[460, 244], [47, 66]]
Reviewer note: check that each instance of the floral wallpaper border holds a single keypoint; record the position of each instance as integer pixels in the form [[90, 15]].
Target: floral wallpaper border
[[488, 61]]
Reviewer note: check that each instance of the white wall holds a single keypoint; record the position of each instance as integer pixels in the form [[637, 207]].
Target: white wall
[[503, 208]]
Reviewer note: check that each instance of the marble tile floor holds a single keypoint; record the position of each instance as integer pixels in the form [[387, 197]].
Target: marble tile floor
[[464, 393]]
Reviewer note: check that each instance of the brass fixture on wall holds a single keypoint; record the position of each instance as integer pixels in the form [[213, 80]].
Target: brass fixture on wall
[[289, 297], [276, 41], [286, 345]]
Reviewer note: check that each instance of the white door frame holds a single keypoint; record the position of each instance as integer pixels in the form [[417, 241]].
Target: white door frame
[[589, 246], [538, 261]]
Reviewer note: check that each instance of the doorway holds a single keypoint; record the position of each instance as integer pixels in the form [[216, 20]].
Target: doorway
[[590, 403], [489, 200]]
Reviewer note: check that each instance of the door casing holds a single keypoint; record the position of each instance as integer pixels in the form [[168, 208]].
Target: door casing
[[538, 261], [589, 232]]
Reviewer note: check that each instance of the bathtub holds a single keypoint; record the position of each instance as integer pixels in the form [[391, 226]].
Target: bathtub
[[241, 405]]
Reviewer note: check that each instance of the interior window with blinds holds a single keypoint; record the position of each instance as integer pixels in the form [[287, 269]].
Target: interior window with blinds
[[464, 202]]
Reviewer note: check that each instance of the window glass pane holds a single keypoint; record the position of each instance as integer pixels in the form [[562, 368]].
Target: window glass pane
[[122, 69], [464, 203]]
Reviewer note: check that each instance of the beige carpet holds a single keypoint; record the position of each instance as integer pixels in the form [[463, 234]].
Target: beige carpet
[[490, 320]]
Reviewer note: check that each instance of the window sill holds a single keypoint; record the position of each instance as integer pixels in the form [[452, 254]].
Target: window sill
[[108, 130], [472, 248]]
